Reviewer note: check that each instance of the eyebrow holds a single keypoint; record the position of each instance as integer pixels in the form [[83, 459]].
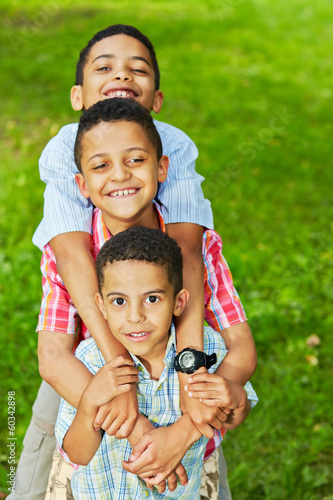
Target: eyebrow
[[150, 292], [128, 150], [133, 58]]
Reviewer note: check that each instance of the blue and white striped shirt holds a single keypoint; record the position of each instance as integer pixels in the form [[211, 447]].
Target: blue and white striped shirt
[[104, 478], [65, 209]]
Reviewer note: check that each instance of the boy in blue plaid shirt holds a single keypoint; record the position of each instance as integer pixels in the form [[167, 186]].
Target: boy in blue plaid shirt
[[139, 312]]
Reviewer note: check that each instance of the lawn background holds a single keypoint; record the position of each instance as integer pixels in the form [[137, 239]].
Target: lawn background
[[251, 82]]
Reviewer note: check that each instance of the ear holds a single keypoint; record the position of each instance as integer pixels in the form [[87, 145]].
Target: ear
[[76, 97], [163, 168], [180, 302], [158, 101], [100, 303], [80, 181]]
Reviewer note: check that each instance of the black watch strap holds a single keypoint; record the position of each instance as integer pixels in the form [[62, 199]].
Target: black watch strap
[[210, 360]]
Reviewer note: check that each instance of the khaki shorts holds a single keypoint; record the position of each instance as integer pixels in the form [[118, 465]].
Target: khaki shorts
[[59, 485]]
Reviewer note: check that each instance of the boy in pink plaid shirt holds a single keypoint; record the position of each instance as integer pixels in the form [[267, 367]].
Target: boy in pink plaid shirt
[[123, 191]]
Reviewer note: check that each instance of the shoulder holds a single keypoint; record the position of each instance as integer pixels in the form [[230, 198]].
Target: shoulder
[[170, 134], [64, 139]]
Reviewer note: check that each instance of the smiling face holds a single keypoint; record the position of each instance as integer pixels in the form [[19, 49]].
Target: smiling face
[[118, 66], [139, 312], [121, 174]]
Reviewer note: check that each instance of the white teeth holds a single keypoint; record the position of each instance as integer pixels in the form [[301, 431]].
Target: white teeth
[[138, 334], [122, 193], [120, 93]]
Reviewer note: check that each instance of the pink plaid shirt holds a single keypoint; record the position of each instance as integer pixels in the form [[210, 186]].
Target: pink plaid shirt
[[223, 307]]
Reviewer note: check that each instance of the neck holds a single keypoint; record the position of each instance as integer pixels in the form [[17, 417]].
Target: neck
[[153, 361], [154, 367], [148, 218]]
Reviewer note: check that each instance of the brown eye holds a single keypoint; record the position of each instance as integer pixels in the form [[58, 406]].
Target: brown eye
[[118, 301], [152, 299]]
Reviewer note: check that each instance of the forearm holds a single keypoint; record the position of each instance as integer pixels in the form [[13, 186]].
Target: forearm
[[185, 432], [240, 363], [141, 427], [59, 367], [189, 325], [80, 451], [76, 267]]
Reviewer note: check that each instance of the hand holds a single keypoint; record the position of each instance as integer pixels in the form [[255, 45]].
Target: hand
[[114, 378], [215, 391], [113, 389], [205, 419], [118, 417], [154, 458]]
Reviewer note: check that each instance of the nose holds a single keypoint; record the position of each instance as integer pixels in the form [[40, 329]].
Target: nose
[[135, 314], [122, 74], [120, 173]]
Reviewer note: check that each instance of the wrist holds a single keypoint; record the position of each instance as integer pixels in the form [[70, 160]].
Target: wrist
[[142, 426], [188, 432], [244, 402], [86, 406]]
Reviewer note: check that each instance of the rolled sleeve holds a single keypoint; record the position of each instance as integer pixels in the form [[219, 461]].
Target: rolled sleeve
[[57, 311], [251, 394], [223, 306]]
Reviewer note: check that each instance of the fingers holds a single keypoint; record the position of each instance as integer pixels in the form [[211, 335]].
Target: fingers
[[205, 429], [125, 429], [172, 481], [139, 466], [111, 424], [121, 370], [140, 461], [114, 422], [181, 473], [161, 483], [101, 415], [140, 447], [212, 390], [162, 487]]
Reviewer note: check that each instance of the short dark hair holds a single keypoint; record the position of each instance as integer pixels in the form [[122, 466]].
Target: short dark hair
[[115, 110], [116, 29], [143, 244]]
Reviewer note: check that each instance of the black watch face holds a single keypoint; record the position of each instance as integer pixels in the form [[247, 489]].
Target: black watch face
[[187, 360]]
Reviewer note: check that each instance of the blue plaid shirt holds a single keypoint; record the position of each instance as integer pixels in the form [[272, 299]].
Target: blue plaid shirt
[[104, 477]]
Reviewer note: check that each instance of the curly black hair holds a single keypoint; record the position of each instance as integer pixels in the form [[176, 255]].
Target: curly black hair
[[115, 110], [143, 244]]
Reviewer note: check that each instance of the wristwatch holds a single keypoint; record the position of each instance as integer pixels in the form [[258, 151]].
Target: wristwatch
[[189, 360]]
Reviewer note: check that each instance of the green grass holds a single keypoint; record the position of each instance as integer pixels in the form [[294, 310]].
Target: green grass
[[251, 82]]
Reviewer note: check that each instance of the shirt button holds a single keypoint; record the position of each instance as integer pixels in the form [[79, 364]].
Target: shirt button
[[147, 493]]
